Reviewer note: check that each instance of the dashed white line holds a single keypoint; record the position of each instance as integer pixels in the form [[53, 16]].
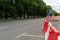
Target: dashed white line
[[3, 27]]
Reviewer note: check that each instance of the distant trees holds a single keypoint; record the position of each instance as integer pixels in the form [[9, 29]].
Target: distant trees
[[48, 8], [22, 8]]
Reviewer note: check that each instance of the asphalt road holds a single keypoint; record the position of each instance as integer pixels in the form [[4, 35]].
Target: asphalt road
[[56, 24], [22, 30]]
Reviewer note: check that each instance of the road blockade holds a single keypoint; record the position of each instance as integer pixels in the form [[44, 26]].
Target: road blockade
[[53, 18], [51, 33]]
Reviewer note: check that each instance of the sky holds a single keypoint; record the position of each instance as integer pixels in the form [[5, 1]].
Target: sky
[[54, 4]]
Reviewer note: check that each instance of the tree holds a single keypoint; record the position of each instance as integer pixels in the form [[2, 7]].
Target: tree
[[23, 8]]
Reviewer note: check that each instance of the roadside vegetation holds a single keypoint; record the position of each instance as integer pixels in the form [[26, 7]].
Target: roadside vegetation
[[22, 9]]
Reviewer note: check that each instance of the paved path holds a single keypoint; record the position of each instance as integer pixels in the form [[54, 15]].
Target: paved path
[[22, 30]]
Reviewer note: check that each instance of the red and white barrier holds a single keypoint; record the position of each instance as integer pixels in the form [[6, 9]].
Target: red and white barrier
[[52, 18], [51, 33], [57, 18]]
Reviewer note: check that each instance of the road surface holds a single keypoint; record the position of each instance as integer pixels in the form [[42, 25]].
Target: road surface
[[56, 24], [22, 30]]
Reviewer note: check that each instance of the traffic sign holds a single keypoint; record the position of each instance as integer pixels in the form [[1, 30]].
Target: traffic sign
[[50, 11]]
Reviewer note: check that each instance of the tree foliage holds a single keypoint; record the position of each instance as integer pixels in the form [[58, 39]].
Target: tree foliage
[[22, 8]]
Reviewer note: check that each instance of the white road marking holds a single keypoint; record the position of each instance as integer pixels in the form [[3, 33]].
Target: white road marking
[[21, 35], [35, 36], [25, 34], [3, 27]]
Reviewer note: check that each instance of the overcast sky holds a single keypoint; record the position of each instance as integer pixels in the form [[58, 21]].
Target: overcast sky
[[53, 3]]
